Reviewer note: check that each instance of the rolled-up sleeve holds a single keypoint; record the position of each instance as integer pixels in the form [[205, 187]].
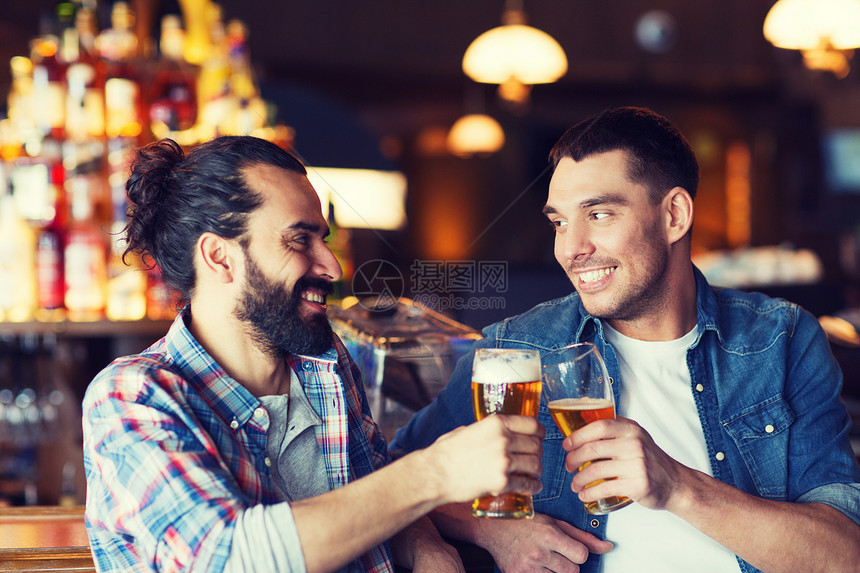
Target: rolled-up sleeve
[[265, 539], [842, 496]]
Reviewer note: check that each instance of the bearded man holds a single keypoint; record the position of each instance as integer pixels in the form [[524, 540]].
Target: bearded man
[[242, 440]]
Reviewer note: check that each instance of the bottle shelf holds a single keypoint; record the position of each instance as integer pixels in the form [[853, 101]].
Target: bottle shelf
[[99, 328]]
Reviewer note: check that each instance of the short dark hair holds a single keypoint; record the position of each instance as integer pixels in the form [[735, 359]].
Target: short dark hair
[[174, 198], [659, 156]]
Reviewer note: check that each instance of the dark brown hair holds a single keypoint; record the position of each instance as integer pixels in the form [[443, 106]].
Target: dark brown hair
[[174, 198], [659, 156]]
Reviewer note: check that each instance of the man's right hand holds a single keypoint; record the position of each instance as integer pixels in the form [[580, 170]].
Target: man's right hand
[[539, 545], [498, 454]]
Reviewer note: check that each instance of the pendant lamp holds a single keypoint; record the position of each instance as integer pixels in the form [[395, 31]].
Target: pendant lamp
[[515, 56]]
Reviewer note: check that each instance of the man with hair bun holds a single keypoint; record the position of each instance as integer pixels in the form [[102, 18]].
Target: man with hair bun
[[242, 441]]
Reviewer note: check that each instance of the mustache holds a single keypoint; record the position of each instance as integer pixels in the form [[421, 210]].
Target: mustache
[[590, 264], [315, 283]]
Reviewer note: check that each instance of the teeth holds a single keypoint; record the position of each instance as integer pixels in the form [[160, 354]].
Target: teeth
[[592, 276], [313, 297]]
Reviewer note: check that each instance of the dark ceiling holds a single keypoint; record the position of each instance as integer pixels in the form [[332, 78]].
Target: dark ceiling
[[385, 57], [389, 58], [394, 66]]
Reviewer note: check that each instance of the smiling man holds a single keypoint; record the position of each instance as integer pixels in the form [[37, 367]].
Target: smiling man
[[731, 438], [242, 441]]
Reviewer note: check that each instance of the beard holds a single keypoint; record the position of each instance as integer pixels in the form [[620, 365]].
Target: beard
[[271, 313]]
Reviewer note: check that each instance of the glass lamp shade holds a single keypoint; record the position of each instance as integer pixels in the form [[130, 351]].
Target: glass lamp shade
[[475, 134], [814, 24], [519, 52]]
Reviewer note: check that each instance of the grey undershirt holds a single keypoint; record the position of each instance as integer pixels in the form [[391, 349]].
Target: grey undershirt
[[298, 468], [265, 537]]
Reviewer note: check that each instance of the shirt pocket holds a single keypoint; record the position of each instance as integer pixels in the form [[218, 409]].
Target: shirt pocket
[[553, 476], [761, 434]]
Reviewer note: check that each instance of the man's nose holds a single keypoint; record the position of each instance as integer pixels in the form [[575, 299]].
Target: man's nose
[[577, 243], [326, 264]]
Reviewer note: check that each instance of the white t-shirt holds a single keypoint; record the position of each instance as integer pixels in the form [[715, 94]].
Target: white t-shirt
[[657, 394]]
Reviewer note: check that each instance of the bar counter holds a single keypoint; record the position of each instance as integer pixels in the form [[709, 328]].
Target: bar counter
[[44, 539]]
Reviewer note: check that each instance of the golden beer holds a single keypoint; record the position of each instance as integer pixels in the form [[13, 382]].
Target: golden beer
[[517, 398], [571, 414], [505, 382]]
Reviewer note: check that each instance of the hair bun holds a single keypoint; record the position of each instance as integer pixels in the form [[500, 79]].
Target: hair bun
[[148, 189], [150, 169]]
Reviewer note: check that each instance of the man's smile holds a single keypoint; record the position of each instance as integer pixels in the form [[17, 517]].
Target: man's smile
[[587, 277], [314, 296]]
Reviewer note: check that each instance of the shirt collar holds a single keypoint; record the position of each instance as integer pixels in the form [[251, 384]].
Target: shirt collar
[[707, 308], [227, 397], [328, 356], [706, 312]]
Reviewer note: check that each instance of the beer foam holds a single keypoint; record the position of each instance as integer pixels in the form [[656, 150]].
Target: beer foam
[[506, 367], [580, 403]]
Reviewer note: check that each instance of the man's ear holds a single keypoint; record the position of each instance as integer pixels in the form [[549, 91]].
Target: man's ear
[[215, 257], [679, 213]]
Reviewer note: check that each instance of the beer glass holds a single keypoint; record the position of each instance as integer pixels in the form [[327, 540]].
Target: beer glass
[[577, 390], [505, 381]]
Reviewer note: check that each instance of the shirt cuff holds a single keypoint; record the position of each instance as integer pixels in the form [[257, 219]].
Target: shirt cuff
[[265, 539], [842, 496]]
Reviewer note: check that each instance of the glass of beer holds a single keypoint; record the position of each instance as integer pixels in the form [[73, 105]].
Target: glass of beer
[[578, 391], [505, 381]]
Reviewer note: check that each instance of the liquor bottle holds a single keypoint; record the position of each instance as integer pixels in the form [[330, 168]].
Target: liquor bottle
[[68, 496], [127, 280], [49, 88], [17, 264], [161, 301], [21, 120], [50, 283], [85, 254], [216, 103], [198, 16], [119, 150], [250, 113], [37, 183], [173, 98], [338, 241], [117, 46], [85, 108]]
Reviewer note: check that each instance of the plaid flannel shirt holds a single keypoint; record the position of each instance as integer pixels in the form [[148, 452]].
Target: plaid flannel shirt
[[174, 449]]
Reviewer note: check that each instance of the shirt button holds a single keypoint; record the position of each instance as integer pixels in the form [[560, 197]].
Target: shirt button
[[234, 424], [769, 428], [699, 387], [594, 523], [260, 412], [268, 462], [307, 366], [720, 456]]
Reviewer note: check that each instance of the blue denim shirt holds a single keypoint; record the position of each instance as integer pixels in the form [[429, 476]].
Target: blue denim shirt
[[766, 388]]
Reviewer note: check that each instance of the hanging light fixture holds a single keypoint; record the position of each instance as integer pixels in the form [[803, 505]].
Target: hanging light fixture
[[515, 56], [825, 31], [475, 134]]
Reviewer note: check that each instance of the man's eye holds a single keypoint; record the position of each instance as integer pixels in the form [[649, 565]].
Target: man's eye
[[557, 224], [599, 216], [297, 242]]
